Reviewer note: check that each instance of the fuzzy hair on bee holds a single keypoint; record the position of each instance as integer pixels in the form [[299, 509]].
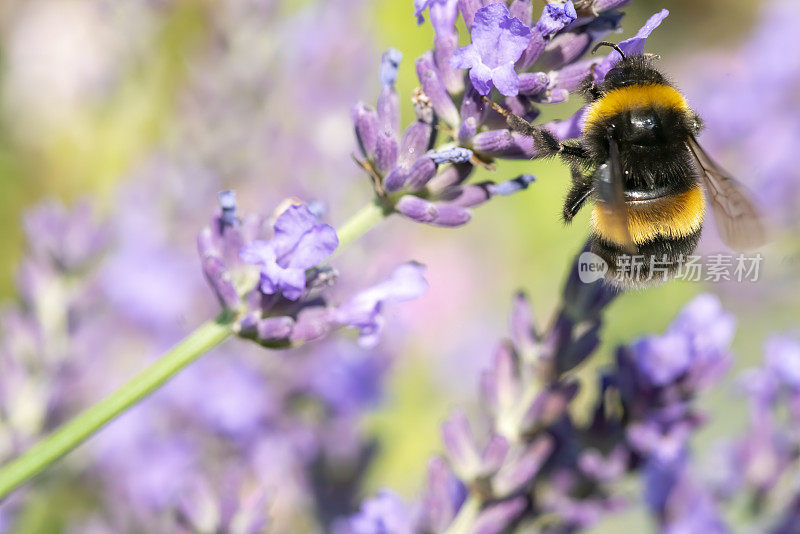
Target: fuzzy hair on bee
[[640, 165]]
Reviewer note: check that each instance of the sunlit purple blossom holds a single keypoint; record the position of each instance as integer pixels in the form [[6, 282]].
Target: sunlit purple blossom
[[498, 40]]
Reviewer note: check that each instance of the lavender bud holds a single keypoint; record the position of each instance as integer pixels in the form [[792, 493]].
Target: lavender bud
[[219, 278], [269, 330], [498, 517], [468, 9], [443, 48], [509, 187], [549, 406], [312, 323], [449, 215], [396, 179], [500, 386], [504, 144], [421, 173], [518, 472], [571, 128], [532, 52], [451, 176], [460, 445], [571, 76], [467, 130], [390, 63], [434, 88], [366, 126], [494, 454], [468, 196], [474, 107], [451, 155], [416, 140], [227, 202], [388, 101], [533, 83], [444, 496], [389, 110], [416, 208], [385, 152], [523, 10]]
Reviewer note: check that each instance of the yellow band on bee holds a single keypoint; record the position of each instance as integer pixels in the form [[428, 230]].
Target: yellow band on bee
[[634, 97], [671, 217]]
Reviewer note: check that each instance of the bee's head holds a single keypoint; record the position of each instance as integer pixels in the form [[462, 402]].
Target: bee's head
[[631, 70]]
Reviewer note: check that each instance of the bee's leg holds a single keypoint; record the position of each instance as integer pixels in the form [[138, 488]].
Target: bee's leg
[[589, 90], [547, 145], [582, 188], [697, 123]]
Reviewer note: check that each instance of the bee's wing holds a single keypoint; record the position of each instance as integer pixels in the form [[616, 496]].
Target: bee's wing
[[739, 223], [610, 188]]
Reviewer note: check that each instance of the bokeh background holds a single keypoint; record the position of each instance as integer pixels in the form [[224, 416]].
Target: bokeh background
[[146, 109]]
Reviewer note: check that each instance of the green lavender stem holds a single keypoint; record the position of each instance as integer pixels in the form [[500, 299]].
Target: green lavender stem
[[202, 340], [360, 223]]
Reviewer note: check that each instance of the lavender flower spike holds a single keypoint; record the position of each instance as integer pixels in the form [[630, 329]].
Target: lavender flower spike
[[498, 40]]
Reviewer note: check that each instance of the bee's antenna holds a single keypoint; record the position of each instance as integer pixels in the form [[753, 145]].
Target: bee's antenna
[[609, 44]]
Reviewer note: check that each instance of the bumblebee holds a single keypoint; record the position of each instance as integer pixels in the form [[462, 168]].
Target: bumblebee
[[648, 178]]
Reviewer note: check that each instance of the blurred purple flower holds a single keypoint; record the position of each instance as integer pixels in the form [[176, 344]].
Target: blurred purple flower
[[363, 311], [381, 514], [498, 40]]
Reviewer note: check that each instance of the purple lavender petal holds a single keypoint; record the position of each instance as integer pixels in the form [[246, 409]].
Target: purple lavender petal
[[631, 47], [300, 241], [498, 41], [363, 311]]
